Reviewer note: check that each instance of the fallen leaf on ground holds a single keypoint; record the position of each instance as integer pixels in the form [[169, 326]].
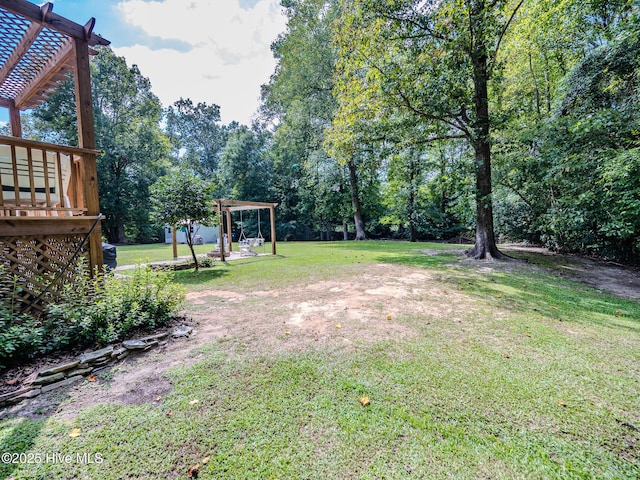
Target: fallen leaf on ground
[[194, 402], [561, 403], [619, 312], [389, 317], [287, 332], [338, 325], [158, 399], [169, 413], [193, 471], [92, 378], [11, 382], [75, 432], [206, 459], [364, 401], [506, 355]]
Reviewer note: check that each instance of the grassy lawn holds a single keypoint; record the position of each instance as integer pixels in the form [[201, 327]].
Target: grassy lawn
[[155, 252], [528, 376]]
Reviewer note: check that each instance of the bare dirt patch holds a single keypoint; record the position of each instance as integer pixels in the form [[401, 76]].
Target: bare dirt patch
[[364, 307]]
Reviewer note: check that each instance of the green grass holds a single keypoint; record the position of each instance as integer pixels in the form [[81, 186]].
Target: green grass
[[155, 252], [538, 379]]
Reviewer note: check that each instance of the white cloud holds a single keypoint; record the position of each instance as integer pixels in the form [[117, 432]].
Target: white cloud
[[229, 56]]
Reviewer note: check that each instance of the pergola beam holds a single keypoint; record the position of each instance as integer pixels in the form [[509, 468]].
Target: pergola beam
[[21, 48], [54, 66], [52, 20]]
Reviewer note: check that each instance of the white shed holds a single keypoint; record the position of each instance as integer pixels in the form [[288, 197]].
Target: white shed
[[208, 234]]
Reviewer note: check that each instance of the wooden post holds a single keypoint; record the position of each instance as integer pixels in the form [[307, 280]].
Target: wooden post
[[272, 214], [174, 242], [14, 118], [86, 139], [221, 232], [229, 231]]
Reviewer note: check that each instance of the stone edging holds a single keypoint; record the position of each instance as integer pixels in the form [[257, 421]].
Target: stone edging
[[84, 365]]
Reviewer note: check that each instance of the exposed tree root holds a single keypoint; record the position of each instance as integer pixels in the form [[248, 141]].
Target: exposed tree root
[[490, 254]]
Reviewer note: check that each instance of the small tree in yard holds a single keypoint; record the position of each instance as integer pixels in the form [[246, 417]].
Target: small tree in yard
[[181, 199]]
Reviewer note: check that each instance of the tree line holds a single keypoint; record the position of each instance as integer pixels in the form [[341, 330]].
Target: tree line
[[434, 119]]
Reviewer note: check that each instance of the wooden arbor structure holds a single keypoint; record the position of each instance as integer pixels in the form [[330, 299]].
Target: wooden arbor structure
[[228, 206], [49, 209]]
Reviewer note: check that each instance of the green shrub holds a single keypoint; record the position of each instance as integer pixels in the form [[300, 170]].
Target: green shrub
[[206, 262], [107, 308], [19, 333], [90, 311]]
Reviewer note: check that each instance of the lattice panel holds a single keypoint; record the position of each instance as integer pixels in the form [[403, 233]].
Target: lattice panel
[[33, 61], [37, 261]]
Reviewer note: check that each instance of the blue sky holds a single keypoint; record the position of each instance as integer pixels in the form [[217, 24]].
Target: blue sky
[[214, 51]]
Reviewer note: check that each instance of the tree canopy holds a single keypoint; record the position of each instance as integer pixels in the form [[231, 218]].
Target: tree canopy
[[499, 120]]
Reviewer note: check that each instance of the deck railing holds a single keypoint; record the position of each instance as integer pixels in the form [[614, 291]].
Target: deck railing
[[41, 179]]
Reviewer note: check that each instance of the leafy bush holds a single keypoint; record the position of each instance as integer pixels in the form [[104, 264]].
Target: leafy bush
[[89, 312], [205, 261], [107, 308], [19, 333]]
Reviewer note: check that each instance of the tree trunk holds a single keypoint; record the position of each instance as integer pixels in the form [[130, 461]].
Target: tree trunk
[[355, 201], [485, 247], [412, 201], [189, 237], [121, 238]]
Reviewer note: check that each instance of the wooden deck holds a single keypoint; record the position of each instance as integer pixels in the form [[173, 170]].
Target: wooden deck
[[49, 208]]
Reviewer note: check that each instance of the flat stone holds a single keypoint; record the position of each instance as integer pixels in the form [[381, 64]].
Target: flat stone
[[181, 331], [94, 356], [58, 368], [151, 338], [134, 344], [101, 362], [8, 396], [117, 352], [48, 379], [63, 383], [124, 354], [30, 394], [150, 345], [80, 371]]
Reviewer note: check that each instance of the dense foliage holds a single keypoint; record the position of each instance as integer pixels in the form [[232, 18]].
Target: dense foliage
[[407, 119], [88, 312]]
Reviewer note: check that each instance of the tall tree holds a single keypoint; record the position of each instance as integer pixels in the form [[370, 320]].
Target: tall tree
[[298, 98], [196, 135], [434, 59], [244, 172], [134, 149]]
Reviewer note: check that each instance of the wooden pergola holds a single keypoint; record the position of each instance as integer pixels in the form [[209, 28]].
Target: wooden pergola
[[49, 209], [228, 206]]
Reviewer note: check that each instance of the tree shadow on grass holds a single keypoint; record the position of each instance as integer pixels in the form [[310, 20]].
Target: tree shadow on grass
[[190, 277], [528, 289]]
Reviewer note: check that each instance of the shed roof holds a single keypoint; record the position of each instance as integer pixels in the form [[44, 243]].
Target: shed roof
[[36, 51]]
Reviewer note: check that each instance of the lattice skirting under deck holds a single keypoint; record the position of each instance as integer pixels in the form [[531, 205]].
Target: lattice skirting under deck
[[31, 263]]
